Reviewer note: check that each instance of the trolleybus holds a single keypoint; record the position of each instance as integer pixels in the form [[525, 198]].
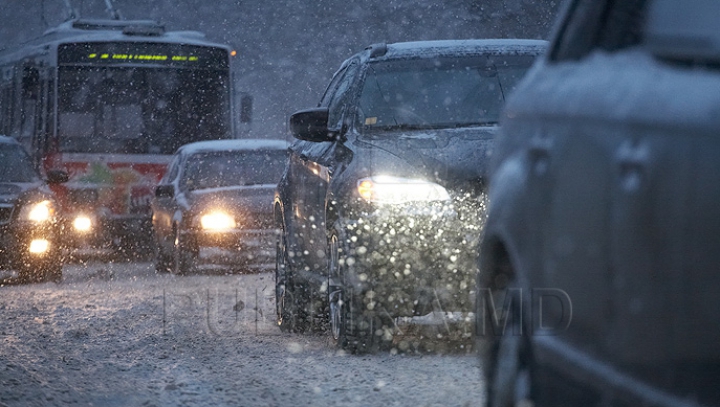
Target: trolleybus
[[109, 101]]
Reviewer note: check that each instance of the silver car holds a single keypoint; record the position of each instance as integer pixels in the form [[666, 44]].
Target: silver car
[[216, 194], [599, 282]]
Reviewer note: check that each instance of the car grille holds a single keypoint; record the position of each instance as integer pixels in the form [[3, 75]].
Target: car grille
[[5, 213], [259, 221]]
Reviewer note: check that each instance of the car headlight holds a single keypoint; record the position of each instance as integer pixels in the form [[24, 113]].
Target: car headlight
[[393, 190], [38, 212], [82, 223], [217, 221]]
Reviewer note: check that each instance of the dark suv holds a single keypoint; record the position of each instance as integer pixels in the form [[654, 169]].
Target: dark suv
[[380, 201], [30, 226], [602, 243]]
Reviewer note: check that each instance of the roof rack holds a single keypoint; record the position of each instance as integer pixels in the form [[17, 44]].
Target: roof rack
[[99, 24], [377, 50]]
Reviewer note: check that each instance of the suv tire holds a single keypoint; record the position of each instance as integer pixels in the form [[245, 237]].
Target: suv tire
[[353, 327]]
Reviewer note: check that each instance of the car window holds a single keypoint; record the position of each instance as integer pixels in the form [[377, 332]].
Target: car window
[[15, 165], [623, 24], [332, 87], [338, 101], [173, 169], [609, 25], [435, 93], [224, 169]]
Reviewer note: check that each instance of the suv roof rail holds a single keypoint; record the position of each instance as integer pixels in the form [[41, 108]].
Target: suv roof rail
[[377, 50]]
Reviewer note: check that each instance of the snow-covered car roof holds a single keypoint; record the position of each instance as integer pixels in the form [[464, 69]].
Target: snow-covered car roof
[[232, 145], [421, 49], [435, 48]]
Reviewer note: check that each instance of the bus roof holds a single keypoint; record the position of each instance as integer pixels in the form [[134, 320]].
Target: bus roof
[[99, 30]]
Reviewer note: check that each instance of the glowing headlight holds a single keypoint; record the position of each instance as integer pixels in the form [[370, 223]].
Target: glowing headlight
[[39, 246], [38, 212], [82, 223], [387, 189], [217, 221]]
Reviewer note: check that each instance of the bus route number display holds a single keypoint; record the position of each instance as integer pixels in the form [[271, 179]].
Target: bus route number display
[[177, 55]]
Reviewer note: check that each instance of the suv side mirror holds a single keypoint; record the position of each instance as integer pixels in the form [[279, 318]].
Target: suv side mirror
[[310, 125], [684, 30], [57, 177], [165, 191]]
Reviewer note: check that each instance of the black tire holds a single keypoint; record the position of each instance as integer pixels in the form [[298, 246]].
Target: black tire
[[53, 272], [32, 272], [506, 357], [290, 297], [163, 263], [184, 254], [26, 276], [354, 327]]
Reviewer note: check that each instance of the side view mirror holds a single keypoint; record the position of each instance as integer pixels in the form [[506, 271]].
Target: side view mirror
[[310, 125], [57, 177], [165, 191], [685, 31]]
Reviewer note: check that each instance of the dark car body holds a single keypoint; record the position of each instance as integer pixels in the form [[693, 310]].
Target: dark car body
[[216, 194], [379, 204], [30, 225], [602, 242]]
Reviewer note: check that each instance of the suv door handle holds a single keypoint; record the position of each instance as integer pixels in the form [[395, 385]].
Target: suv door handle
[[632, 158], [539, 153], [538, 150]]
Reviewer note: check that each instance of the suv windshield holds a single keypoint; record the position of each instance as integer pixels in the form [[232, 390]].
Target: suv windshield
[[224, 169], [438, 92], [15, 165]]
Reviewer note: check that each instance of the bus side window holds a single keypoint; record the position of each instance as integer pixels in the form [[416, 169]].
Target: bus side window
[[6, 103], [28, 113]]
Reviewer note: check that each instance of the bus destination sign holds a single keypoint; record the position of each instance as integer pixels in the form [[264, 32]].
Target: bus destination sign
[[122, 53], [143, 57]]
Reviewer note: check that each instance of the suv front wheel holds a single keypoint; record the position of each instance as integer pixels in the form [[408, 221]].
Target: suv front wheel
[[290, 300], [354, 327]]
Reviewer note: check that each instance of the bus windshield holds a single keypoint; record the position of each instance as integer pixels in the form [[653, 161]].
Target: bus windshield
[[139, 110]]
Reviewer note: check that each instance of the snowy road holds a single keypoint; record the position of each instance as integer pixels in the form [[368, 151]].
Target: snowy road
[[117, 334]]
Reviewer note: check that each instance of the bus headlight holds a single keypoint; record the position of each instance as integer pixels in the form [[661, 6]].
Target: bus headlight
[[395, 190], [217, 221], [38, 212]]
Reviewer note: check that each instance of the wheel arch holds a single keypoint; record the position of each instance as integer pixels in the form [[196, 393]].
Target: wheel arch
[[505, 233]]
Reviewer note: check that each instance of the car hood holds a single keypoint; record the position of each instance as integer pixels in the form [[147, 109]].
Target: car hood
[[12, 192], [447, 156]]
